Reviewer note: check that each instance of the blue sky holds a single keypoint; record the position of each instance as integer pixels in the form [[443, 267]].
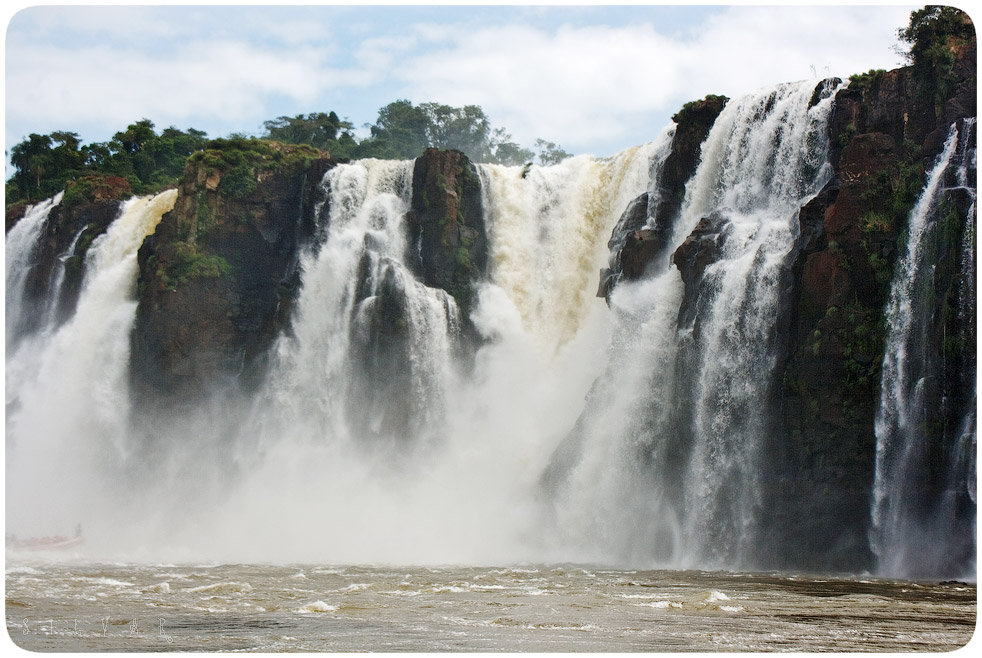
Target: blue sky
[[594, 79]]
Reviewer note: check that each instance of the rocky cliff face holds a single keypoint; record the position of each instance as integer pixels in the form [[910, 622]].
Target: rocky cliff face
[[447, 240], [218, 275], [885, 134], [633, 247], [218, 278]]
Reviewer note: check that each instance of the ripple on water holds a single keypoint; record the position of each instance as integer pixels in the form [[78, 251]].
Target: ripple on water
[[317, 606]]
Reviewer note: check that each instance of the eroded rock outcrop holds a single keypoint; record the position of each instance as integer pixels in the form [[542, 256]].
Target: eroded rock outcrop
[[218, 275], [633, 247], [885, 132], [447, 240], [699, 250]]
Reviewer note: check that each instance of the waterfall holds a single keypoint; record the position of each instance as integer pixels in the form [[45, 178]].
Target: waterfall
[[548, 227], [337, 370], [66, 424], [914, 528], [19, 253], [663, 468], [638, 432], [412, 459], [764, 158]]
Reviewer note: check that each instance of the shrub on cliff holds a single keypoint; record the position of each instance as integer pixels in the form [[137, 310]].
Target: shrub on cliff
[[45, 164], [934, 34]]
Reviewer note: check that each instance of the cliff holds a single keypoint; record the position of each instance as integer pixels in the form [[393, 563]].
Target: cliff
[[218, 275], [885, 134], [448, 243], [634, 248]]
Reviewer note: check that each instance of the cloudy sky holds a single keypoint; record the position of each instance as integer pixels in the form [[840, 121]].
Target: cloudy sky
[[594, 79]]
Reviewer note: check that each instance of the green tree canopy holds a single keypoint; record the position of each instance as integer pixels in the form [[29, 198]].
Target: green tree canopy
[[404, 131], [324, 131], [45, 164], [931, 28], [934, 34]]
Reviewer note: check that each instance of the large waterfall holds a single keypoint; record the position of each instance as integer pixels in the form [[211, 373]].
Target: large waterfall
[[636, 432], [66, 401], [663, 467]]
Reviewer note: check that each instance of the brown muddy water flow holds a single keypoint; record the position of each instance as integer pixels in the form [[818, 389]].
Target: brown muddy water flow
[[89, 607]]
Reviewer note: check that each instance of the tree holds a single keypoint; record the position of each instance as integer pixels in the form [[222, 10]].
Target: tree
[[930, 30], [32, 161], [934, 34], [401, 132], [550, 153], [324, 131], [465, 128], [44, 164], [404, 131]]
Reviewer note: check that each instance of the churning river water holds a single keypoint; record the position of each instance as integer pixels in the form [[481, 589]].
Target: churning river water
[[87, 607]]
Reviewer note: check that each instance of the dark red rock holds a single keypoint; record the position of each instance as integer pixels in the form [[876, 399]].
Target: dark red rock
[[447, 241]]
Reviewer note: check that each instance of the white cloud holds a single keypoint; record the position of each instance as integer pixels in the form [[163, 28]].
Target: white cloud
[[594, 87], [575, 81], [225, 78], [580, 86]]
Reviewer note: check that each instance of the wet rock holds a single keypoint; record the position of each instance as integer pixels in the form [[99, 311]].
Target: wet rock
[[884, 135], [627, 246], [447, 245], [699, 250], [218, 277], [634, 251]]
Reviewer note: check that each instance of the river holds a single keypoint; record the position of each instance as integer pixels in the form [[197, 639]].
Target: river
[[98, 606]]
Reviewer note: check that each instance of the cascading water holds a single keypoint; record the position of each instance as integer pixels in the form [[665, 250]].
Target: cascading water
[[66, 423], [21, 243], [764, 158], [914, 528], [367, 444], [634, 435], [548, 227], [685, 409], [344, 368]]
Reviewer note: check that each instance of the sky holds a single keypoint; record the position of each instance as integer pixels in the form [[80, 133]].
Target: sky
[[591, 78]]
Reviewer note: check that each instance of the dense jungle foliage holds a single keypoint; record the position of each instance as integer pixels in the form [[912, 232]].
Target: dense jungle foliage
[[45, 164]]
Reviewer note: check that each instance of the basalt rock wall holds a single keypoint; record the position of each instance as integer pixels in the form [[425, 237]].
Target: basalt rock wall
[[446, 236], [885, 134], [218, 276]]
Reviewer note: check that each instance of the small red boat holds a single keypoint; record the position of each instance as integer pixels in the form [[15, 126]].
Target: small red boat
[[55, 543]]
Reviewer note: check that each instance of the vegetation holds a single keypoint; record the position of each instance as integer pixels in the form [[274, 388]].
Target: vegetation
[[46, 164], [188, 263], [934, 34], [866, 81], [149, 162], [712, 99], [322, 131], [403, 131]]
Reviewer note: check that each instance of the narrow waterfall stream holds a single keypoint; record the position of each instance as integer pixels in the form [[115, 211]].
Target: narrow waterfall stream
[[916, 528]]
